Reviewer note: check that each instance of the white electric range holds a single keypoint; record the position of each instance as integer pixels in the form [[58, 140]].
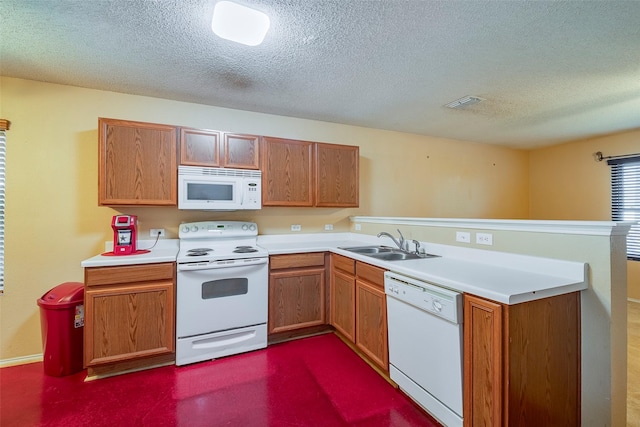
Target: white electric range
[[222, 291]]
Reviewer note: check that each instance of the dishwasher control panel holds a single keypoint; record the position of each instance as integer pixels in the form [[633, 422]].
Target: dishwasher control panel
[[426, 296]]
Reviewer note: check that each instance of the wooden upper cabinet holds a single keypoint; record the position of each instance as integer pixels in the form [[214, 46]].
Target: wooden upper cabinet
[[287, 172], [137, 163], [303, 173], [199, 147], [211, 148], [241, 151], [337, 175]]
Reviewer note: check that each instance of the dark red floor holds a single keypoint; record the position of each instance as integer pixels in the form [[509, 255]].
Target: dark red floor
[[315, 381]]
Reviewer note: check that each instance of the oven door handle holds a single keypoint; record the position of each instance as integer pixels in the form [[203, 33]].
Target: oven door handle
[[214, 265]]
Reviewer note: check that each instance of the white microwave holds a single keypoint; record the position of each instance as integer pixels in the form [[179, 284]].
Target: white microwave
[[212, 189]]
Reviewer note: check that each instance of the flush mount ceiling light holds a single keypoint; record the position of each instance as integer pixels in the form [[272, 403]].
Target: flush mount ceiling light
[[238, 23], [465, 102]]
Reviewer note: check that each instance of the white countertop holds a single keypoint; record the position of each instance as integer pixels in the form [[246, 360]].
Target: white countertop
[[503, 277], [474, 271], [165, 251]]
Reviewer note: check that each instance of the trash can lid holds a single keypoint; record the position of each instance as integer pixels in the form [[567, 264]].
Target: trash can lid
[[63, 295]]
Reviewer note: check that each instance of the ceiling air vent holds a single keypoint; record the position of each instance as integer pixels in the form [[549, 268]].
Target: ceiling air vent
[[465, 102]]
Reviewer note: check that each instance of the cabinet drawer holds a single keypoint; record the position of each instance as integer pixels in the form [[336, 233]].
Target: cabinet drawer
[[343, 263], [95, 276], [371, 274], [314, 259]]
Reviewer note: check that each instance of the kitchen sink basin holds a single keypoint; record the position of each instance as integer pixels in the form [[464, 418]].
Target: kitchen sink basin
[[396, 256], [369, 250], [386, 253]]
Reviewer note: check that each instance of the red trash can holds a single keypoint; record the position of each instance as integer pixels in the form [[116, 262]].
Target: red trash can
[[62, 322]]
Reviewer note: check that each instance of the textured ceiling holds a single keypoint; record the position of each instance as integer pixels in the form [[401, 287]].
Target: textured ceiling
[[550, 71]]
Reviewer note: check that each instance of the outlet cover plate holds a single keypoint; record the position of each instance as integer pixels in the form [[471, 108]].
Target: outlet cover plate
[[154, 232], [484, 239]]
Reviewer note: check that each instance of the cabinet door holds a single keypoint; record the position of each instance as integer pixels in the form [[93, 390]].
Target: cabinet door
[[337, 176], [199, 147], [124, 322], [296, 299], [343, 304], [287, 172], [371, 323], [483, 350], [241, 151], [137, 163]]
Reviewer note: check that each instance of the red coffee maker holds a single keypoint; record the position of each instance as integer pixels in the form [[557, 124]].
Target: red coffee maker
[[124, 234]]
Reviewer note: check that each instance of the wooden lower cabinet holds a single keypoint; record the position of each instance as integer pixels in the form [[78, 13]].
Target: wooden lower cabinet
[[343, 297], [522, 362], [359, 307], [297, 292], [129, 316], [371, 323]]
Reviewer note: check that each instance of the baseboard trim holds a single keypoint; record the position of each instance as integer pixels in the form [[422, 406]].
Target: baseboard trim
[[23, 360]]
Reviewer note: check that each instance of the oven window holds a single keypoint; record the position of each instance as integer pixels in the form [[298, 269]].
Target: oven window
[[224, 288], [221, 192]]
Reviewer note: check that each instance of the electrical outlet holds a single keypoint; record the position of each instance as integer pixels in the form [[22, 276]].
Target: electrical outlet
[[328, 227], [463, 236], [358, 227], [484, 238], [296, 227], [155, 231]]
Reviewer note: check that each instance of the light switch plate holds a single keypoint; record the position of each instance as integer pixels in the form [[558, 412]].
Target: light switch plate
[[463, 236], [296, 227]]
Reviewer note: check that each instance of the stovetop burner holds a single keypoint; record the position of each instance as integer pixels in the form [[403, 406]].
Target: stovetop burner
[[244, 249], [199, 251]]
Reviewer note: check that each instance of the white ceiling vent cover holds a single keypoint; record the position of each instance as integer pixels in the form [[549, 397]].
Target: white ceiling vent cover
[[465, 102]]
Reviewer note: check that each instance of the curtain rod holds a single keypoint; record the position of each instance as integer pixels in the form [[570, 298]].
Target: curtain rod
[[599, 157]]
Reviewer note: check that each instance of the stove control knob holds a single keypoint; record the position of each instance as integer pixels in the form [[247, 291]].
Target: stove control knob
[[252, 227], [185, 229], [245, 227], [194, 228]]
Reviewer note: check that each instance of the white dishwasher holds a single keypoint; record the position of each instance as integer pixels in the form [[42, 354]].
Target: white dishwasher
[[425, 344]]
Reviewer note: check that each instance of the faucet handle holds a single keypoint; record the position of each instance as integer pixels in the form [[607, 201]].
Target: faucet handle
[[402, 241], [415, 242]]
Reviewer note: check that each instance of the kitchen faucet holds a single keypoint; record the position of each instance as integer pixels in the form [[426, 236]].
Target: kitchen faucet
[[398, 242]]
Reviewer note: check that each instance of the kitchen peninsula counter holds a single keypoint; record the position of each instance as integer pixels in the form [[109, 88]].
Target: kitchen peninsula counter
[[502, 277]]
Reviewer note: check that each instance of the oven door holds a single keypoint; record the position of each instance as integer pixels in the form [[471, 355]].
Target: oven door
[[219, 299]]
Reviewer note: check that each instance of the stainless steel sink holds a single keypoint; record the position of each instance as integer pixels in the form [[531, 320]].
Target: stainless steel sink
[[369, 250], [396, 256], [386, 253]]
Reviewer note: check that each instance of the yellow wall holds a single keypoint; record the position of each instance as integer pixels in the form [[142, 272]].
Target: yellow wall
[[567, 183], [53, 221]]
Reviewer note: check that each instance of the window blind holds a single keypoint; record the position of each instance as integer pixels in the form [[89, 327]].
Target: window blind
[[625, 199], [3, 157]]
